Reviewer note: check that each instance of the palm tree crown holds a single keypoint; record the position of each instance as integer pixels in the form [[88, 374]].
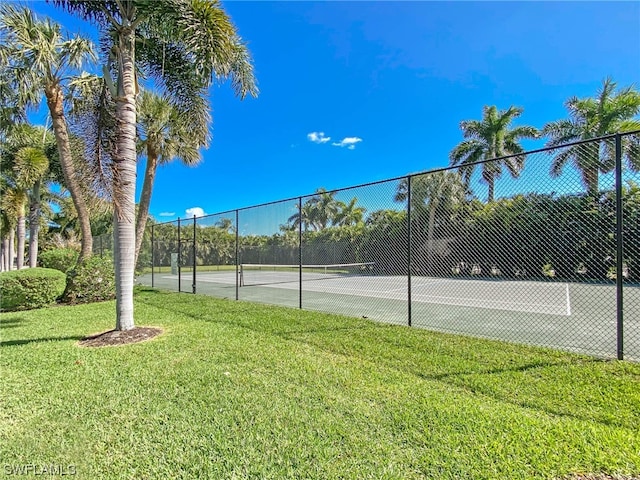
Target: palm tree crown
[[609, 112], [491, 138]]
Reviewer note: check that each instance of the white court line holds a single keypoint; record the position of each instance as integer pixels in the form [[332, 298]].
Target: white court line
[[488, 301], [547, 308], [544, 308], [442, 297]]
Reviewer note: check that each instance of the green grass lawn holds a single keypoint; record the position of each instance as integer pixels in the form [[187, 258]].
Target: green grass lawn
[[241, 390]]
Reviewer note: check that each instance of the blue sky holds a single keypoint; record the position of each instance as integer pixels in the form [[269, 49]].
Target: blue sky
[[354, 92]]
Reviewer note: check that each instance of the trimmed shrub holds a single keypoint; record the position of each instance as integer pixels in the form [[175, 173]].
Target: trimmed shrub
[[62, 259], [93, 280], [30, 288]]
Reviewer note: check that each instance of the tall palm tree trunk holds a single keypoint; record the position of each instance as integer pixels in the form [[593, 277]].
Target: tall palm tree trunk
[[145, 198], [492, 188], [5, 254], [34, 224], [124, 188], [55, 103], [12, 247], [22, 233], [592, 182]]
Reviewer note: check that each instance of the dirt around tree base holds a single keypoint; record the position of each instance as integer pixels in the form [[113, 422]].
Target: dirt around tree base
[[116, 337]]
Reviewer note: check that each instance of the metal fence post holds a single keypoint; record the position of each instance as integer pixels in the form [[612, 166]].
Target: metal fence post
[[237, 259], [409, 249], [193, 286], [152, 256], [619, 251], [300, 252], [179, 258]]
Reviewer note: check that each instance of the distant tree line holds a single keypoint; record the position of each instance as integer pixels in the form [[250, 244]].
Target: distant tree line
[[540, 236]]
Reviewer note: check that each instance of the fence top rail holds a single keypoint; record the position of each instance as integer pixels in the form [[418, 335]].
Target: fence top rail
[[410, 175]]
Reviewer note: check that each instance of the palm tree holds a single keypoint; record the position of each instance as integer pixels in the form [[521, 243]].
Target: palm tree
[[12, 103], [24, 153], [491, 138], [40, 56], [28, 152], [12, 201], [349, 214], [304, 216], [5, 227], [609, 112], [167, 132], [225, 224], [183, 45], [432, 194], [323, 209]]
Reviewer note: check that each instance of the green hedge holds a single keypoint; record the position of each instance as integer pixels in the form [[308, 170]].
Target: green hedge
[[30, 288], [93, 280], [62, 259]]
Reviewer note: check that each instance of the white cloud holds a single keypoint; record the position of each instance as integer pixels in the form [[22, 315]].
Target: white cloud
[[197, 211], [167, 214], [318, 137], [349, 142]]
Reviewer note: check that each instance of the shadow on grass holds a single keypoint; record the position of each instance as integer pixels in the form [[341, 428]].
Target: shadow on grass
[[12, 343], [461, 377], [145, 289], [11, 322]]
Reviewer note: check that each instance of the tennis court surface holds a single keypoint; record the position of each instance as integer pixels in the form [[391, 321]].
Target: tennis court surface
[[568, 316]]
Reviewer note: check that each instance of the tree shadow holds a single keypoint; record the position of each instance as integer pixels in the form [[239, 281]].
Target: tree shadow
[[145, 289], [11, 322], [458, 377], [11, 343]]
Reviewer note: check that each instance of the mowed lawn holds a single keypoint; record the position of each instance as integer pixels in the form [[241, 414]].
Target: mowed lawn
[[240, 390]]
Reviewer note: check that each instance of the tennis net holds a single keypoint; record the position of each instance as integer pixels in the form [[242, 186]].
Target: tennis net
[[263, 274]]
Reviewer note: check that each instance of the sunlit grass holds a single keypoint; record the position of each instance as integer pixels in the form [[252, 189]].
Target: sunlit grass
[[239, 390]]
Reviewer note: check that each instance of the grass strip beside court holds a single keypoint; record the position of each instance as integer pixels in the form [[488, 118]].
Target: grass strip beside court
[[239, 390]]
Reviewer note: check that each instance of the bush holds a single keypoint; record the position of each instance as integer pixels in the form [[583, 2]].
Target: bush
[[30, 288], [61, 259], [91, 281]]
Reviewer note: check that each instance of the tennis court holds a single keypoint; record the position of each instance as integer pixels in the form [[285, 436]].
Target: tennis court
[[569, 316]]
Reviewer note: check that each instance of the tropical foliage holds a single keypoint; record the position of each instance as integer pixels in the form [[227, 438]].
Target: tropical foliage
[[40, 58], [27, 159], [32, 288], [490, 138], [155, 43], [323, 210], [611, 111], [183, 45], [536, 236], [167, 131], [433, 196]]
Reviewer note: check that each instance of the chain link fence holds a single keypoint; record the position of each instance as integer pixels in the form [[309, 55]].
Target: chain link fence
[[103, 245], [541, 248]]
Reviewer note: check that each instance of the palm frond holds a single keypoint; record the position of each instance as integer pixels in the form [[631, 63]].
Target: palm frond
[[31, 164], [76, 51], [560, 132], [523, 131], [467, 151], [561, 160]]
